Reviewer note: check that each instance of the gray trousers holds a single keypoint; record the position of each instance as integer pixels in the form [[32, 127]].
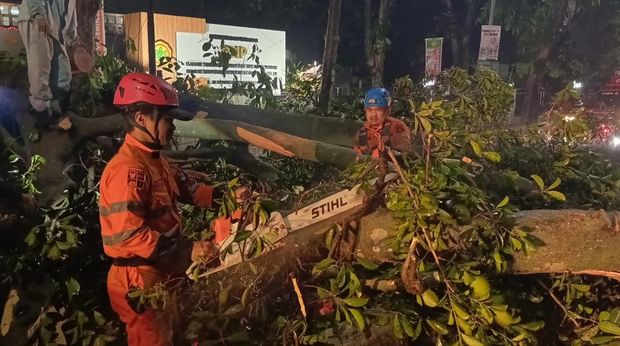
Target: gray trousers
[[49, 69]]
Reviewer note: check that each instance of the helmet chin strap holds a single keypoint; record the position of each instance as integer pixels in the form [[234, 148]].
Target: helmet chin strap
[[155, 144]]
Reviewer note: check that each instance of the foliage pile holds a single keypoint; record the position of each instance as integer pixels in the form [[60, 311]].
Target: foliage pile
[[455, 213], [455, 210]]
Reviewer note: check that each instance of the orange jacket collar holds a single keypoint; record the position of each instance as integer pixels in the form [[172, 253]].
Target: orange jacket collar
[[134, 142]]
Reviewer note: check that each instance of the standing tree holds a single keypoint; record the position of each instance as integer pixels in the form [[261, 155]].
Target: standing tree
[[330, 52], [376, 25], [541, 29], [461, 19]]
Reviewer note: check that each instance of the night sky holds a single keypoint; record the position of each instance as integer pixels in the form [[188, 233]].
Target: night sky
[[412, 21]]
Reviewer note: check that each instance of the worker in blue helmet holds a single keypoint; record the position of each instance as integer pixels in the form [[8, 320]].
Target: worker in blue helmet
[[381, 131]]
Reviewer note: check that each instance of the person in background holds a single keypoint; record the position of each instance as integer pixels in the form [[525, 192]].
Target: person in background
[[380, 131], [48, 28]]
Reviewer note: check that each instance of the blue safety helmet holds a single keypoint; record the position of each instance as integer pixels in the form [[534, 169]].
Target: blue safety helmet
[[377, 97]]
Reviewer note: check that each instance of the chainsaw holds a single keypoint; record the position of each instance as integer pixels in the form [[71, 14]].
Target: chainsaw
[[278, 226]]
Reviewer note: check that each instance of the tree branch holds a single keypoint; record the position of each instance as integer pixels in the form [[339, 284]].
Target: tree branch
[[86, 128]]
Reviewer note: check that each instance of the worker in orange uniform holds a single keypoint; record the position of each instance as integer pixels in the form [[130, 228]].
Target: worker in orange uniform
[[140, 222], [381, 131]]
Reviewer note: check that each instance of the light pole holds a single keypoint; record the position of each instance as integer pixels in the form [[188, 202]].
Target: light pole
[[151, 37]]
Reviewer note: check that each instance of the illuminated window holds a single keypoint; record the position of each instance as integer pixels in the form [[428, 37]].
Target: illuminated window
[[9, 15]]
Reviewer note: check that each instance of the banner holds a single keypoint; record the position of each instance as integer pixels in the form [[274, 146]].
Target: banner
[[433, 56], [489, 42]]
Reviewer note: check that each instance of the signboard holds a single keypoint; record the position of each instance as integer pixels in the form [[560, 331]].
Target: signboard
[[268, 45], [489, 42], [433, 56]]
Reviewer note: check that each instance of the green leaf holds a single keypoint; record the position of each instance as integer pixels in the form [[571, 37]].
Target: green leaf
[[534, 326], [359, 318], [426, 124], [418, 331], [243, 235], [486, 314], [99, 319], [609, 328], [367, 264], [73, 287], [555, 184], [470, 341], [430, 298], [557, 195], [407, 327], [493, 156], [601, 340], [476, 147], [356, 302], [324, 264], [539, 181], [460, 312], [614, 316], [397, 328], [63, 246], [240, 336], [582, 288], [503, 203], [438, 327], [31, 238], [425, 113], [223, 296], [604, 316], [481, 288], [245, 296]]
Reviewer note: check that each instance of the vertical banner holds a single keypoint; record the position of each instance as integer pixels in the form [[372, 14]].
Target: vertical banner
[[434, 47], [489, 42]]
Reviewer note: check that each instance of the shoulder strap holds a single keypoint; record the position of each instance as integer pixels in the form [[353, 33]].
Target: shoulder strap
[[362, 139]]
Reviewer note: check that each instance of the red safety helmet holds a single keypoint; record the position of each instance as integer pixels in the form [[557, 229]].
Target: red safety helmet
[[145, 88]]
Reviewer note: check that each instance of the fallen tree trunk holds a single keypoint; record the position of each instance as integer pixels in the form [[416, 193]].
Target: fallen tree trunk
[[334, 131], [576, 241], [280, 142]]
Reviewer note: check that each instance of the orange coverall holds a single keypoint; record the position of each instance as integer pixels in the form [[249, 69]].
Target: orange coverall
[[392, 133], [140, 226]]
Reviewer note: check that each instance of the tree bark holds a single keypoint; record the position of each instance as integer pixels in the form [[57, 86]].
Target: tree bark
[[330, 53], [454, 33], [334, 131], [368, 38], [275, 141], [375, 37], [381, 42], [473, 9], [461, 30], [566, 10], [576, 241], [86, 14]]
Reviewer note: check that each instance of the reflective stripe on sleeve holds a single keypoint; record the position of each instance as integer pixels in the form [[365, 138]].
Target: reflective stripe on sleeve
[[119, 207]]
